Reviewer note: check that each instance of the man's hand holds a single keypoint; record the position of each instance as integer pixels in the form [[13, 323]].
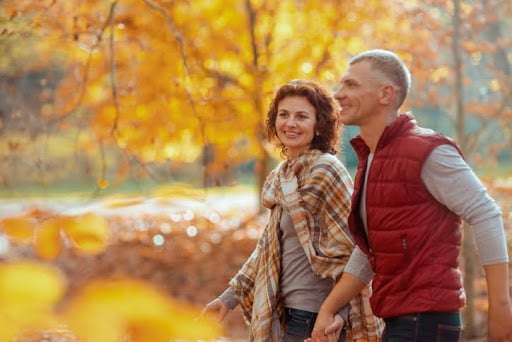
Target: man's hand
[[499, 320], [215, 307], [499, 317], [328, 321], [327, 328]]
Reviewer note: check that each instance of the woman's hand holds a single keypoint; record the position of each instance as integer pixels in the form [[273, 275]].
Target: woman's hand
[[215, 307]]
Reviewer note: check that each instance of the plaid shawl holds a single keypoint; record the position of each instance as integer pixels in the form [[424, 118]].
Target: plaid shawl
[[315, 190]]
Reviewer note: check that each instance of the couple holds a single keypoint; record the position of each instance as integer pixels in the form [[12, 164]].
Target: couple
[[394, 233]]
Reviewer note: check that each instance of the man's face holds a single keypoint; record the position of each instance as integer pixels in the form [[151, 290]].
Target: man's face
[[358, 93]]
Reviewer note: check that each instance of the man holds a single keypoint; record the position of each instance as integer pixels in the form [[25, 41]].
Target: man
[[412, 190]]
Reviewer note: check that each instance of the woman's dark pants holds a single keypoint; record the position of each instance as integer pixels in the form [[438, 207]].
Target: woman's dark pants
[[300, 325]]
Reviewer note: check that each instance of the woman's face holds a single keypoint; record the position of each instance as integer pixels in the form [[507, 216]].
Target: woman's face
[[295, 124]]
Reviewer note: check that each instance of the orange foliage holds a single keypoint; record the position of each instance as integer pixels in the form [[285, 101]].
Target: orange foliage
[[124, 308], [163, 79], [88, 233], [25, 306], [19, 229], [117, 308], [47, 242]]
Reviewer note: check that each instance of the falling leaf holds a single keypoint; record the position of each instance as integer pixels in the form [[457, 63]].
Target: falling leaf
[[20, 229], [28, 293], [47, 239], [89, 232], [105, 311], [30, 285], [102, 183]]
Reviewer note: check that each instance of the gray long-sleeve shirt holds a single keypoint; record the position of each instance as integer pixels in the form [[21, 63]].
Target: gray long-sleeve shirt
[[453, 183]]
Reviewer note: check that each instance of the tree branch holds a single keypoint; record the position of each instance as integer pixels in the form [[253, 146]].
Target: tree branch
[[113, 69], [181, 42], [174, 29], [87, 65]]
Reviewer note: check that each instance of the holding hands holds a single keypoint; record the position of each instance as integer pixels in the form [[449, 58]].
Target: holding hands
[[327, 328]]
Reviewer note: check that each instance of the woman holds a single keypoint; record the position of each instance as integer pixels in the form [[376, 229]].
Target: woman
[[306, 243]]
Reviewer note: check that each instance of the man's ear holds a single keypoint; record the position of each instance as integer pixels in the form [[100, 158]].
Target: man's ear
[[387, 94]]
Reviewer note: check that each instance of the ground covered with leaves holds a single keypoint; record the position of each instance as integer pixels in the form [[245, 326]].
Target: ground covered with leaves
[[188, 250]]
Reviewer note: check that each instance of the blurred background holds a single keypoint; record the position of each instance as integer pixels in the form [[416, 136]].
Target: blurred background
[[149, 114]]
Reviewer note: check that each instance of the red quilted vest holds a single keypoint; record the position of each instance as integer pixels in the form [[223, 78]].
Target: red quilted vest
[[413, 241]]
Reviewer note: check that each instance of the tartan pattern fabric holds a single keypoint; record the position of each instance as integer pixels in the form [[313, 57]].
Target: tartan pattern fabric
[[315, 190]]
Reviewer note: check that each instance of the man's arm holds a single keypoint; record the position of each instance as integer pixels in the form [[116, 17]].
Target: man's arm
[[445, 169], [345, 289], [500, 308], [468, 198], [356, 275]]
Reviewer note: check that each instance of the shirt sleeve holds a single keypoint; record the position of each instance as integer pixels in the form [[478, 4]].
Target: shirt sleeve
[[344, 312], [359, 266], [467, 197], [229, 298]]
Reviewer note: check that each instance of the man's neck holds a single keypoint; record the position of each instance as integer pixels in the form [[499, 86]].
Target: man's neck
[[372, 132]]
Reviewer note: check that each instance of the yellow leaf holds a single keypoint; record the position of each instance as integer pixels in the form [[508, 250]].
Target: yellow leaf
[[30, 285], [8, 330], [19, 229], [106, 311], [102, 183], [89, 232], [28, 293], [47, 239]]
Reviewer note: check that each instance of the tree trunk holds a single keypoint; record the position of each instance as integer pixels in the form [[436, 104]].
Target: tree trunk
[[262, 166], [468, 250], [470, 271]]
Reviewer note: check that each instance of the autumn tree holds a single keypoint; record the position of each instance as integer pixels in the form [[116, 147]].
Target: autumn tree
[[176, 81]]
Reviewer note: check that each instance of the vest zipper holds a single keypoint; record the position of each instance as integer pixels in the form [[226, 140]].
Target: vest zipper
[[405, 249]]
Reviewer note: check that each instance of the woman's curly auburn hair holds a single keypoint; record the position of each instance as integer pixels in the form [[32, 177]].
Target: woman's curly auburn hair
[[328, 124]]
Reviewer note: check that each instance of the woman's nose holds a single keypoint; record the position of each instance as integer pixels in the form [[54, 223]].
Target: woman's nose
[[291, 121]]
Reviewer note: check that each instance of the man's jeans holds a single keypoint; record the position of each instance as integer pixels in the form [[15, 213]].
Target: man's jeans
[[424, 327]]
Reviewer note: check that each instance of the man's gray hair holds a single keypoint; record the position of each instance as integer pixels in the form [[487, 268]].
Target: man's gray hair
[[391, 67]]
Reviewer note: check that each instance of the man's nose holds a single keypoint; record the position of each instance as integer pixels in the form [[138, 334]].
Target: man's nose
[[339, 93]]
